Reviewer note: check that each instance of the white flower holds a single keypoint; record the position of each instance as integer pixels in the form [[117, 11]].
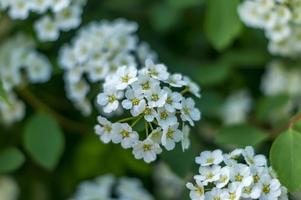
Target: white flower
[[189, 112], [173, 101], [252, 191], [134, 101], [209, 174], [150, 114], [58, 5], [231, 158], [165, 118], [271, 188], [237, 107], [252, 159], [123, 133], [9, 189], [185, 139], [241, 173], [234, 191], [207, 158], [215, 194], [46, 29], [156, 71], [146, 150], [109, 99], [156, 97], [145, 84], [192, 86], [104, 129], [68, 18], [40, 6], [156, 135], [176, 80], [19, 9], [170, 136], [125, 76], [224, 177], [197, 192]]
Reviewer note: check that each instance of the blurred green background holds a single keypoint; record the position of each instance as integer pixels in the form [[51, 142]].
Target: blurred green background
[[199, 38]]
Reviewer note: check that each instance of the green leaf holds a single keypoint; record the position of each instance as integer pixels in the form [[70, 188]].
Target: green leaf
[[3, 93], [285, 159], [222, 24], [184, 4], [44, 140], [163, 17], [212, 74], [240, 135], [11, 159], [269, 108]]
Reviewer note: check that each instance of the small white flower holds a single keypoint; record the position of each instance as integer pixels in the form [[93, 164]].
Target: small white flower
[[68, 18], [216, 194], [176, 80], [189, 112], [156, 135], [104, 129], [170, 136], [192, 86], [185, 139], [150, 114], [271, 188], [224, 177], [156, 97], [231, 158], [173, 101], [40, 6], [252, 159], [145, 84], [146, 150], [19, 9], [58, 5], [165, 118], [123, 133], [109, 99], [207, 158], [234, 191], [156, 71], [46, 29], [197, 192], [134, 101], [209, 174], [125, 76], [241, 173]]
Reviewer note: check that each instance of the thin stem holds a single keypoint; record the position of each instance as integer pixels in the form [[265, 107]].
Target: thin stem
[[146, 128], [37, 104], [136, 121], [151, 126], [185, 90], [126, 119]]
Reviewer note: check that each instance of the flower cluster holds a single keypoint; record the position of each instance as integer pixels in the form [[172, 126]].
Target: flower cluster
[[240, 174], [97, 51], [18, 54], [66, 15], [8, 188], [107, 186], [281, 21], [150, 95], [236, 107]]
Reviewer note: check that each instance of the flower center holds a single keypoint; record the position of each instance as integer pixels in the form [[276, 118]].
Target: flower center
[[145, 86], [238, 178], [163, 115], [147, 111], [125, 134], [210, 160], [135, 102], [169, 133], [266, 189], [153, 72], [155, 97], [111, 98], [147, 147], [186, 110], [107, 128], [125, 79], [169, 100]]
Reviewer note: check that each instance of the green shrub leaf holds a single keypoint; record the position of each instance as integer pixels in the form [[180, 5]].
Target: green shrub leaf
[[44, 140], [240, 135], [11, 159], [222, 23], [285, 159]]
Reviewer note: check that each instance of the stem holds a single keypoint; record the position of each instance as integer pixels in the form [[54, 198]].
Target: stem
[[146, 128], [150, 125], [293, 120], [34, 102], [185, 90], [125, 119], [136, 121]]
